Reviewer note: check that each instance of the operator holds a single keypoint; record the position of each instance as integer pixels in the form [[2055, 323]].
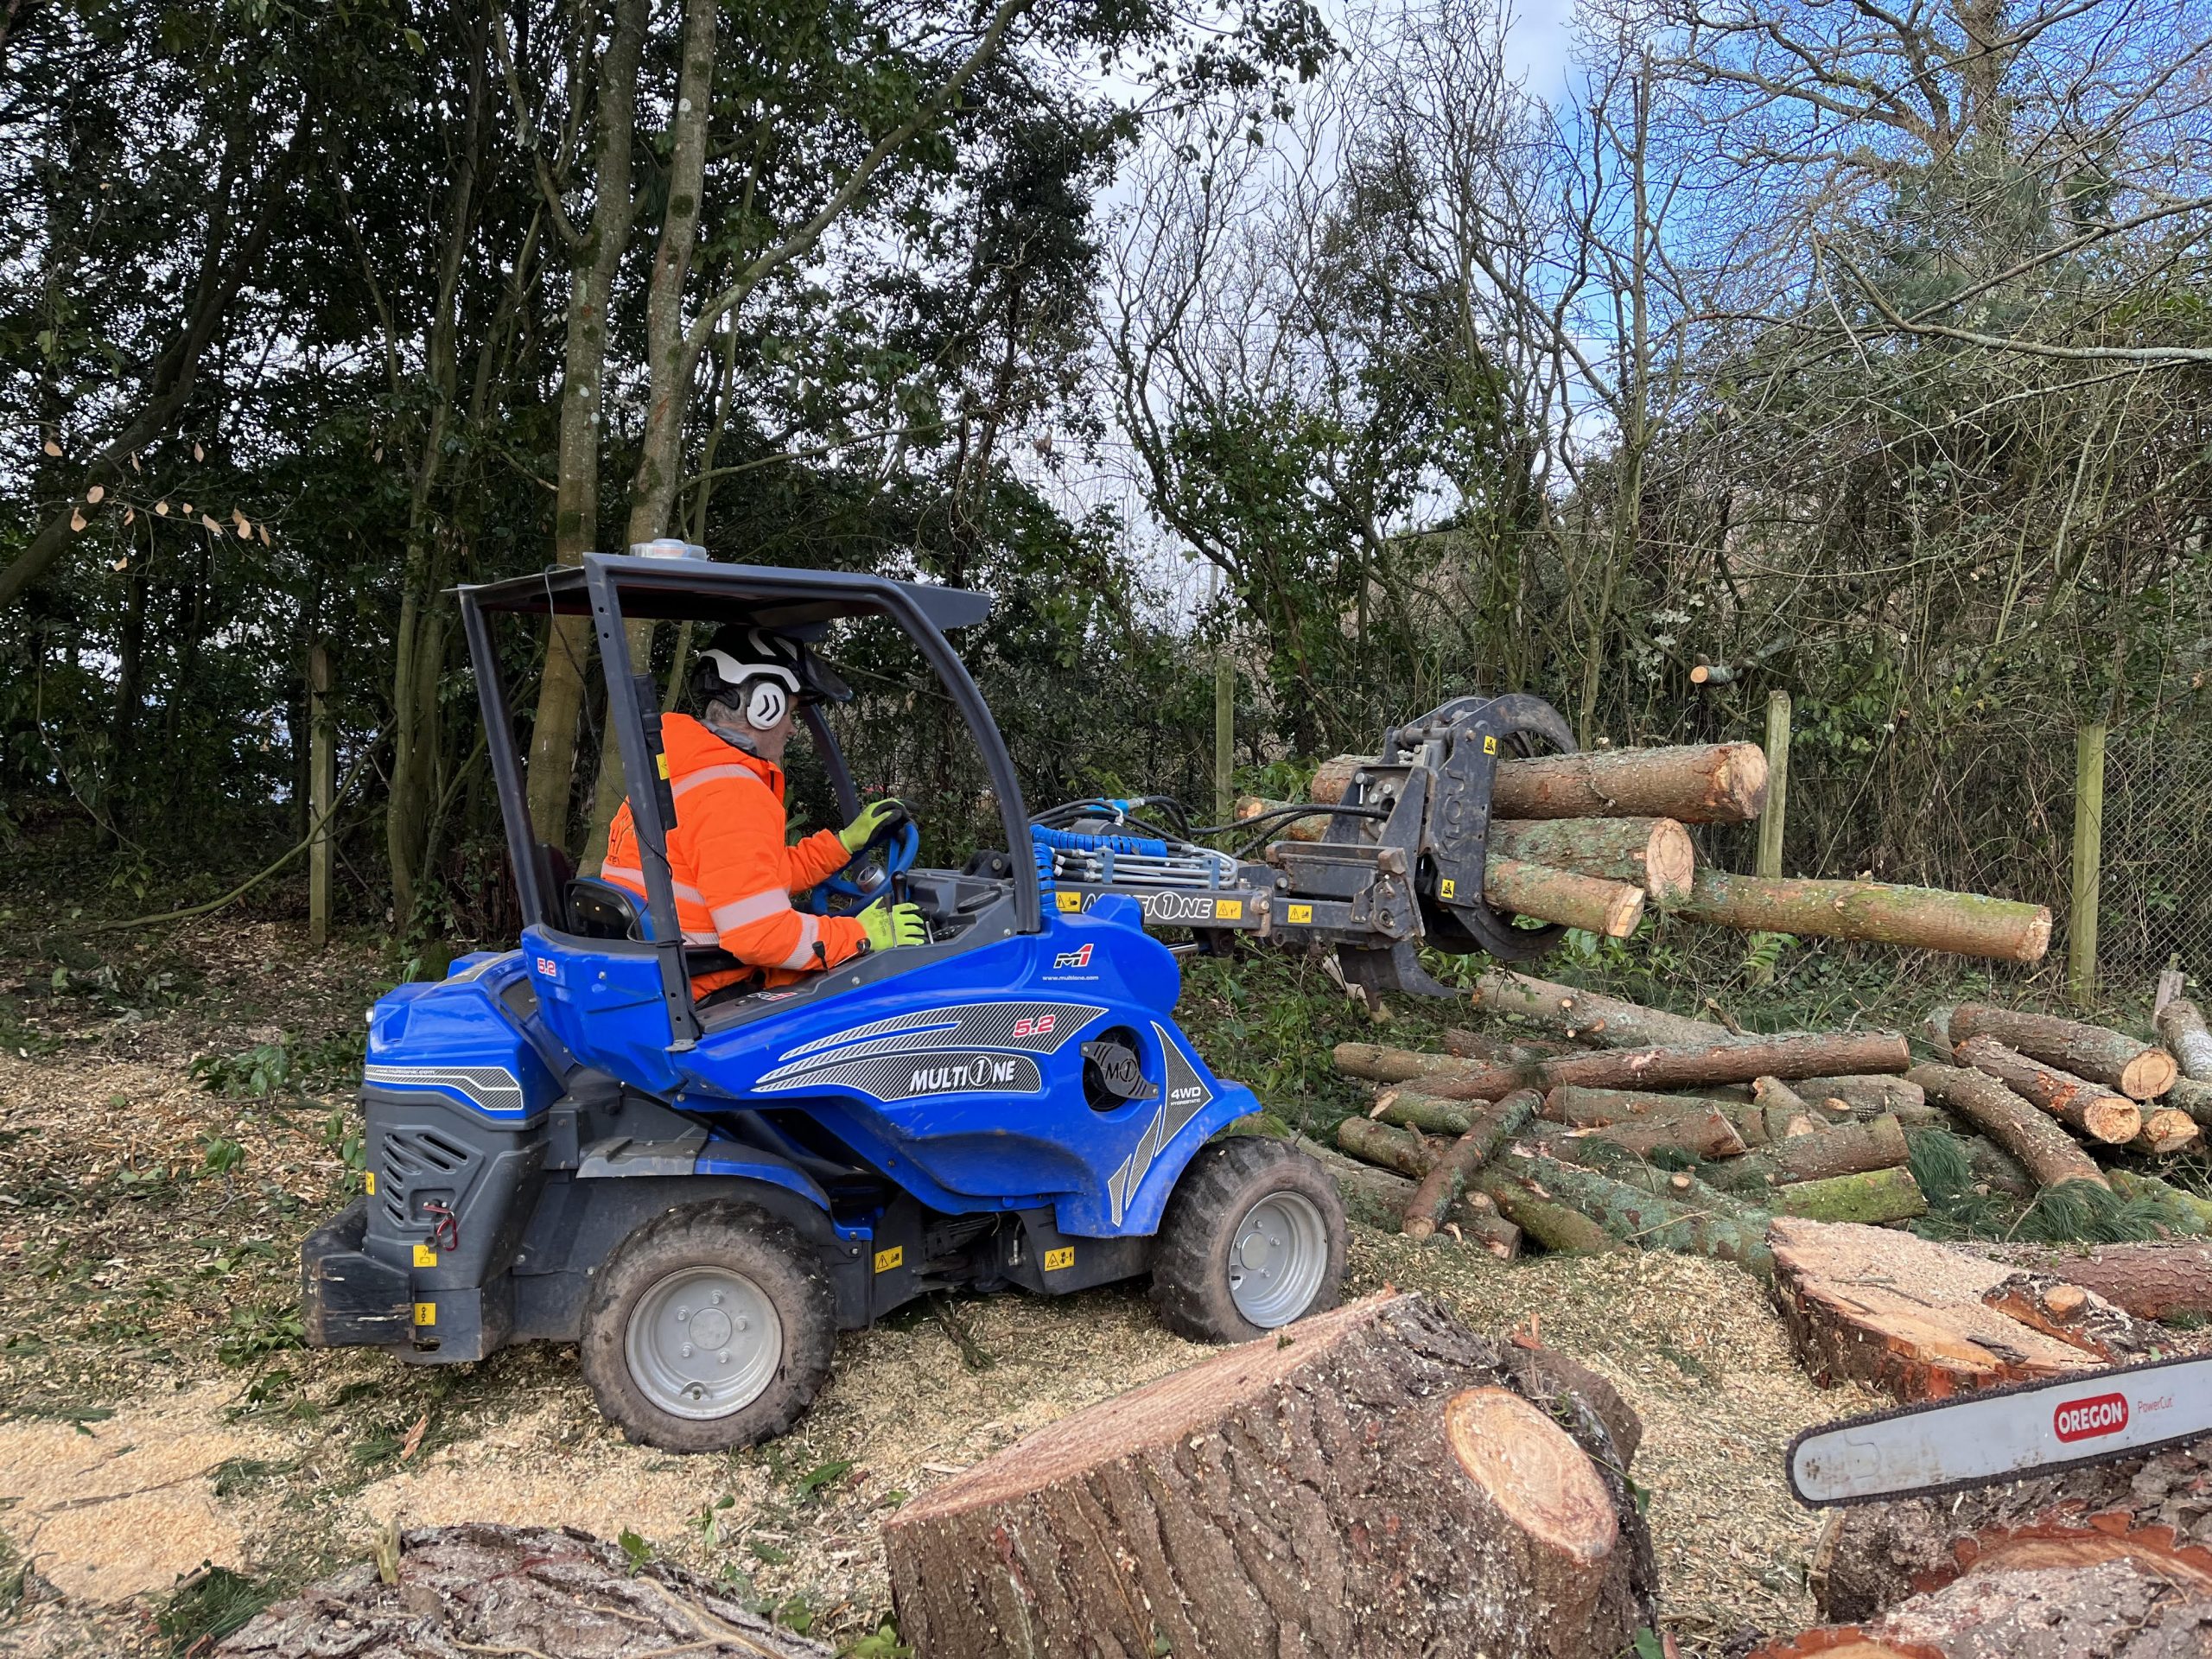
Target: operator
[[734, 874]]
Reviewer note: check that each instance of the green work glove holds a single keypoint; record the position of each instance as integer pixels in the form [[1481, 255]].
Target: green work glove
[[875, 818], [890, 925]]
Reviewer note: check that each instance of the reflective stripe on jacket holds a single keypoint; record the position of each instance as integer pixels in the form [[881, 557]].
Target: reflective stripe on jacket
[[734, 876]]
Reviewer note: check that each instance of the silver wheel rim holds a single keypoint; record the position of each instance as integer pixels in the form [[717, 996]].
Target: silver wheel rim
[[704, 1342], [1278, 1255]]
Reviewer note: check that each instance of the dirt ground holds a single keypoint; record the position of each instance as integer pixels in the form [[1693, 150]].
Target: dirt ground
[[157, 1417]]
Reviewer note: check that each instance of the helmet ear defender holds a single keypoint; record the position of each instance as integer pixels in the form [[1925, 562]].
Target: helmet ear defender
[[766, 704]]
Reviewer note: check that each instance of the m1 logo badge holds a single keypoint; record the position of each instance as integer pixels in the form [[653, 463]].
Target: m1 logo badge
[[2085, 1420], [1076, 958]]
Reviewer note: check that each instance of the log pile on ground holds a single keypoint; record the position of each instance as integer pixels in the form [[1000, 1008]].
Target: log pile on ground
[[1585, 1122], [481, 1588], [1588, 839], [1373, 1480]]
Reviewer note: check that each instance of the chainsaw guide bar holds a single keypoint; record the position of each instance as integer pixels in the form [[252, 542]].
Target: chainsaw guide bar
[[2001, 1435]]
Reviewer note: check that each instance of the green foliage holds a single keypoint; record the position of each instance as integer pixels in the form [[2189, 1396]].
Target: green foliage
[[255, 1333], [208, 1606], [2084, 1212], [635, 1549]]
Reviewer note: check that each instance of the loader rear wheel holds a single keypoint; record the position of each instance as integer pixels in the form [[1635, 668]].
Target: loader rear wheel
[[710, 1327], [1253, 1239]]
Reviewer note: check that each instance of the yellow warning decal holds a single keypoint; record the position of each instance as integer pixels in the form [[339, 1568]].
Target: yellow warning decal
[[1489, 746], [662, 761], [1069, 900], [1063, 1257], [425, 1257], [369, 1182], [426, 1312], [887, 1259], [1447, 888], [1301, 913], [1229, 910]]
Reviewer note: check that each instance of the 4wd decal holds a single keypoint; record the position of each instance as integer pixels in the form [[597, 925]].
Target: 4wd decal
[[1187, 1093]]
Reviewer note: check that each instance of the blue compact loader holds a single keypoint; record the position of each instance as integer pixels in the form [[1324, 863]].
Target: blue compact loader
[[563, 1145]]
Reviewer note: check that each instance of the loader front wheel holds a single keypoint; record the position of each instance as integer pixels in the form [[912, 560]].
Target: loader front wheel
[[710, 1328], [1253, 1237]]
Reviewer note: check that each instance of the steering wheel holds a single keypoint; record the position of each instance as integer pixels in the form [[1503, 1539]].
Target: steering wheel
[[873, 870]]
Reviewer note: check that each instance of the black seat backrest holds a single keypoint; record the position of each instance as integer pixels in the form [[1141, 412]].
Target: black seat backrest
[[555, 871], [600, 910]]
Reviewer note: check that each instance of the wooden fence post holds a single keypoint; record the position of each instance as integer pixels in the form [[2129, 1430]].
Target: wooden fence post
[[1777, 782], [1224, 736], [322, 786], [2088, 863]]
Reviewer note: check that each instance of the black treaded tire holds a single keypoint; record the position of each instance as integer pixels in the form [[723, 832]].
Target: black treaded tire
[[1190, 1267], [733, 1236]]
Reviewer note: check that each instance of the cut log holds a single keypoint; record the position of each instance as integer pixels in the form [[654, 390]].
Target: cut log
[[1707, 783], [1870, 1096], [2087, 1601], [1587, 1016], [1702, 1134], [1523, 1201], [1679, 1185], [2033, 1140], [1449, 1496], [2190, 1096], [2166, 1130], [2148, 1280], [2181, 1027], [1776, 1095], [2088, 1108], [1432, 1198], [1727, 1059], [1609, 908], [1486, 1229], [1380, 1063], [1635, 1217], [1653, 854], [1922, 919], [1402, 1150], [1598, 1109], [1902, 1314], [1410, 1108], [2129, 1184], [2136, 1070], [1846, 1149], [482, 1588], [1473, 1046], [1878, 1195], [1375, 1197]]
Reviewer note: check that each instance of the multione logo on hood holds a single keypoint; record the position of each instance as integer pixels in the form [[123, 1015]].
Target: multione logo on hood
[[2085, 1420], [942, 1074], [1076, 958]]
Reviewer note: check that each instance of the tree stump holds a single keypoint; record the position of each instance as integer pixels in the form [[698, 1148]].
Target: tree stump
[[479, 1588], [1911, 1318], [1374, 1480]]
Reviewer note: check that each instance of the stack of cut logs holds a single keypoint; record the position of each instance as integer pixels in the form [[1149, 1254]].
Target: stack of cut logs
[[1589, 840], [1601, 1122]]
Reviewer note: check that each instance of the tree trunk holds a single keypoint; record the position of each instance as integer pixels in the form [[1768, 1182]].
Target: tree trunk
[[2181, 1026], [1375, 1197], [1653, 854], [1449, 1175], [597, 263], [1709, 1133], [1462, 1044], [2148, 1280], [1878, 1195], [1409, 1109], [2136, 1070], [2034, 1142], [1597, 1108], [1924, 918], [2188, 1095], [1778, 1097], [1523, 1201], [1611, 909], [482, 1588], [1868, 1097], [1677, 1185], [1706, 783], [1645, 1220], [1876, 1306], [1420, 1473], [1408, 1153], [2167, 1131], [1846, 1149], [2085, 1108], [1730, 1059], [1586, 1016], [1379, 1063]]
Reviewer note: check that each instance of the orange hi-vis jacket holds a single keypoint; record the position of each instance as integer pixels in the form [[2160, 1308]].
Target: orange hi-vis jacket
[[734, 876]]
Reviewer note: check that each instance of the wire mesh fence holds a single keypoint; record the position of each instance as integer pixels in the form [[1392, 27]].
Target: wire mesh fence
[[2156, 911]]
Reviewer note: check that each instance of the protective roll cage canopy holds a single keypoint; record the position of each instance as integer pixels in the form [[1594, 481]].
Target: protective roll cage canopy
[[612, 589]]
